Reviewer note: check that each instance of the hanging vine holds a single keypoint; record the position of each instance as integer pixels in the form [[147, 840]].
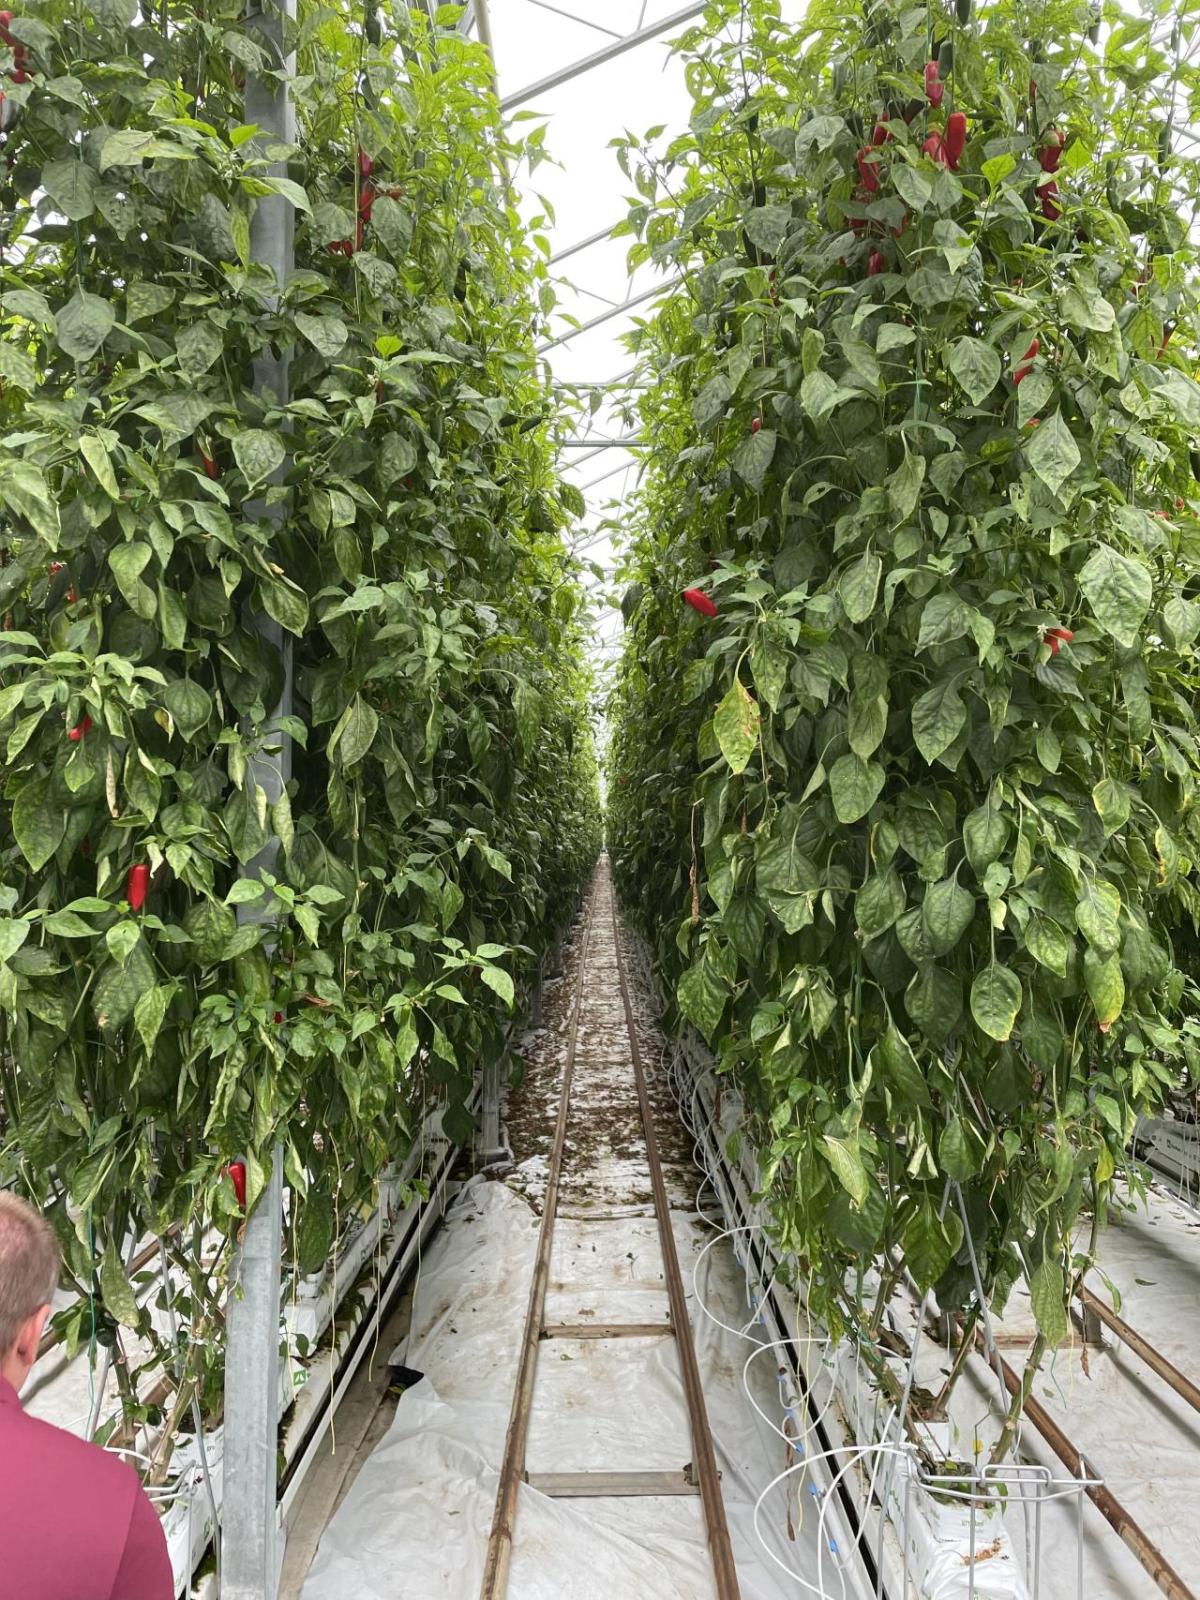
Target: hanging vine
[[922, 425], [165, 1018]]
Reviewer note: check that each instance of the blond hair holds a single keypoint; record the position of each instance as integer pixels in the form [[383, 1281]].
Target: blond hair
[[29, 1262]]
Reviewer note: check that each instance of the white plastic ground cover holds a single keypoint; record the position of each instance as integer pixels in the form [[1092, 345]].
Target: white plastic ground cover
[[1141, 1438], [414, 1525]]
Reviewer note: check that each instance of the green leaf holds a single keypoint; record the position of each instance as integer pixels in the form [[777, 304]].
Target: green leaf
[[15, 930], [930, 1243], [128, 562], [976, 366], [1053, 453], [190, 705], [71, 184], [17, 367], [149, 1012], [866, 722], [1098, 915], [711, 403], [745, 921], [327, 334], [38, 822], [843, 1156], [116, 1289], [903, 1071], [879, 902], [944, 619], [736, 726], [946, 913], [904, 486], [125, 148], [23, 491], [355, 732], [934, 1001], [1119, 591], [938, 718], [258, 454], [285, 602], [996, 1000], [93, 452], [1048, 1297], [985, 834], [958, 1156], [855, 785], [769, 663], [754, 455], [497, 979], [198, 347], [177, 416], [1112, 803], [83, 324], [912, 186], [701, 997], [858, 586], [767, 226], [1048, 944]]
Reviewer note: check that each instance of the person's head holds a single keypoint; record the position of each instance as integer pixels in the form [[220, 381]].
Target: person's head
[[28, 1278]]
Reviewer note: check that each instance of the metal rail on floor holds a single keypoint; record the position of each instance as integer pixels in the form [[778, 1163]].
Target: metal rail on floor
[[704, 1459], [701, 1475], [512, 1472]]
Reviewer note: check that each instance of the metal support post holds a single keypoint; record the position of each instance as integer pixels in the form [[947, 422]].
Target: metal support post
[[492, 1146], [249, 1541], [250, 1534]]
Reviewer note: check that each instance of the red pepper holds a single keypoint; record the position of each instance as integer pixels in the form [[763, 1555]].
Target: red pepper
[[1033, 422], [700, 602], [57, 567], [1179, 504], [1168, 330], [858, 225], [208, 463], [1057, 637], [72, 595], [902, 227], [365, 165], [867, 170], [366, 203], [934, 147], [881, 135], [875, 263], [934, 87], [342, 247], [955, 138], [1025, 365], [278, 1018], [136, 885], [756, 425], [236, 1173], [1051, 153], [82, 727], [1051, 209]]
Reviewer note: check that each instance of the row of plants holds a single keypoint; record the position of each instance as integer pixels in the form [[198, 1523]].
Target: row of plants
[[191, 973], [904, 770]]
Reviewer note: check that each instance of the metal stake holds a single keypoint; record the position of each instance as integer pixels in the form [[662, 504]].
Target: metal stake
[[250, 1533]]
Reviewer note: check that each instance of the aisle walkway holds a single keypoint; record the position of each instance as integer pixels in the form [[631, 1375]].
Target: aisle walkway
[[415, 1524]]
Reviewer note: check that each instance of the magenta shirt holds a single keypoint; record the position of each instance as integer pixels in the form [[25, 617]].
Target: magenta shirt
[[75, 1523]]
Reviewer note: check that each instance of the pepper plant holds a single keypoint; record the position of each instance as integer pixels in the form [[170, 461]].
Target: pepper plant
[[908, 804], [164, 1013]]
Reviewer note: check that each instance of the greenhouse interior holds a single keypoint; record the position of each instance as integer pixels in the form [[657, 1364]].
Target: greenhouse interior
[[599, 678]]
